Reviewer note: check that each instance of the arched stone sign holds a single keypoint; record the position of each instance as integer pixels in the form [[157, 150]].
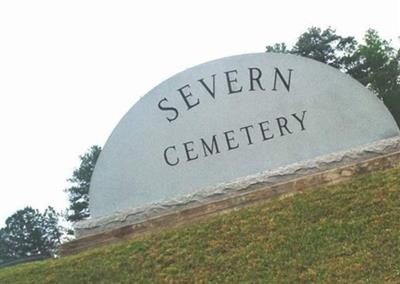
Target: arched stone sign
[[230, 118]]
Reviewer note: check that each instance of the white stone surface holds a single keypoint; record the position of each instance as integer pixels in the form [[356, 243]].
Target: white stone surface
[[326, 112]]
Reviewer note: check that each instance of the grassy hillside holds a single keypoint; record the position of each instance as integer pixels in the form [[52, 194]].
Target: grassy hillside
[[344, 233]]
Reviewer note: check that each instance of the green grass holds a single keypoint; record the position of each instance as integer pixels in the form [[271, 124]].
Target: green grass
[[347, 233]]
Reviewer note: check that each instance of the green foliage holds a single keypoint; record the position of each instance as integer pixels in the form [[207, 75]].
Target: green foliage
[[325, 46], [3, 248], [346, 233], [78, 193], [393, 104], [29, 232], [374, 63], [278, 48]]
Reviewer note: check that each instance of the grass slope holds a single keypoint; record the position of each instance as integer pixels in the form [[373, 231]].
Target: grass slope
[[346, 233]]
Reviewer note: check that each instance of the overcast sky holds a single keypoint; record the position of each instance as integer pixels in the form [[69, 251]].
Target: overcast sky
[[69, 70]]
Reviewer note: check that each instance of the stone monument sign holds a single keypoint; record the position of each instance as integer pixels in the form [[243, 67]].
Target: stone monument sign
[[228, 119]]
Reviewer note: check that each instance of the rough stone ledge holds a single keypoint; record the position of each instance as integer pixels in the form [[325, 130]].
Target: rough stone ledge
[[237, 187], [387, 156]]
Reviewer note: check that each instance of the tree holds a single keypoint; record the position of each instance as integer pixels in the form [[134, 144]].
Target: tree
[[278, 48], [78, 193], [326, 46], [321, 45], [3, 247], [377, 66], [29, 232], [374, 63]]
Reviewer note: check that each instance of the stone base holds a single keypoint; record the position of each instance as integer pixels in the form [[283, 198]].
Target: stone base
[[258, 188]]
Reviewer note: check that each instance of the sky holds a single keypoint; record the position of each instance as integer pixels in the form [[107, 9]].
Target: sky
[[69, 70]]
